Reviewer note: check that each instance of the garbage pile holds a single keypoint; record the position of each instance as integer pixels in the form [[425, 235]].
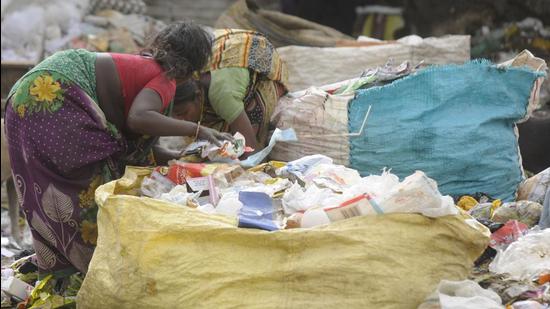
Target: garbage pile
[[304, 193], [20, 285], [312, 193], [22, 289], [529, 33], [280, 228], [37, 29], [516, 264]]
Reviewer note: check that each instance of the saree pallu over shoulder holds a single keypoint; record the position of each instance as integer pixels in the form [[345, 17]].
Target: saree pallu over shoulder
[[75, 65], [247, 49], [235, 48]]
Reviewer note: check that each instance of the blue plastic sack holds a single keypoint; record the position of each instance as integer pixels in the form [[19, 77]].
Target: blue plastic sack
[[456, 123]]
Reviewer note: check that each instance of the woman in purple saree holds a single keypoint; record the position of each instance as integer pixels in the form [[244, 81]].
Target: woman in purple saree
[[68, 132]]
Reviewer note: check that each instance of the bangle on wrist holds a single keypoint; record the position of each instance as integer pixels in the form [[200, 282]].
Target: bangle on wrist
[[197, 132]]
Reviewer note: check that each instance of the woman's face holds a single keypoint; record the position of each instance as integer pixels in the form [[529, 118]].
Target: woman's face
[[190, 110]]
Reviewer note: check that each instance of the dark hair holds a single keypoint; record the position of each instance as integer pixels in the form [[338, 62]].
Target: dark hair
[[181, 48], [186, 92]]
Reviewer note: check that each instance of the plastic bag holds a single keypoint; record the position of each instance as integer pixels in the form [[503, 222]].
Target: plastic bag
[[314, 217], [179, 195], [507, 234], [278, 135], [229, 204], [258, 211], [379, 185], [524, 211], [482, 211], [156, 184], [301, 166], [334, 177], [460, 295], [228, 151], [534, 188], [418, 193], [297, 199], [467, 202], [525, 258], [528, 304], [275, 187]]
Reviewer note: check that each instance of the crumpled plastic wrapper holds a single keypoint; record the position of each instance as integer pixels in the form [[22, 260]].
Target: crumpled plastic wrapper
[[228, 152], [524, 211]]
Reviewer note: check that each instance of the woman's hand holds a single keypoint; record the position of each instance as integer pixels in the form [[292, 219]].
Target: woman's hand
[[214, 136], [163, 155], [242, 125]]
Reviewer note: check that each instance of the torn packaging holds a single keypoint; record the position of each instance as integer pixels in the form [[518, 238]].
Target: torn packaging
[[258, 211]]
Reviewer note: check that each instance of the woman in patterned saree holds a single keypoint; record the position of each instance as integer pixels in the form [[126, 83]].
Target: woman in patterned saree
[[78, 118], [239, 88]]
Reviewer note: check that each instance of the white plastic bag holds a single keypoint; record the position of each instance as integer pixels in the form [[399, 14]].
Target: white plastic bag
[[418, 194], [207, 209], [229, 204], [525, 258], [156, 185], [302, 166], [180, 196], [534, 189], [379, 185], [270, 189], [296, 199], [461, 295], [22, 34], [314, 217], [335, 177]]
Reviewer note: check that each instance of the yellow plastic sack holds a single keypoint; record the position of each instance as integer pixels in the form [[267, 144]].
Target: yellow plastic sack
[[154, 254]]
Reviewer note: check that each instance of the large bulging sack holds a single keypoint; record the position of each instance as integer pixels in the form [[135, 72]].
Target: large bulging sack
[[315, 66], [455, 123], [322, 121], [154, 254]]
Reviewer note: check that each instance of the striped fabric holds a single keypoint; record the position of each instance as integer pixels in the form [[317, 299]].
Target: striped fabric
[[247, 49], [234, 48]]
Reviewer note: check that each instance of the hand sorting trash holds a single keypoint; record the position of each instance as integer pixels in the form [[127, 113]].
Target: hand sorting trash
[[227, 152], [304, 193], [231, 151]]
